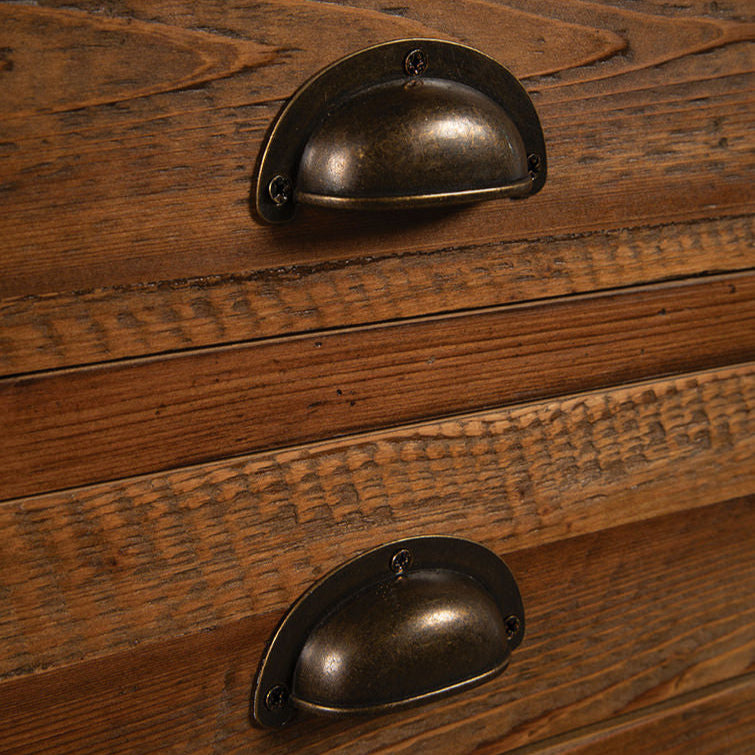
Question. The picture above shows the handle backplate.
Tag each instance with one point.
(410, 123)
(398, 626)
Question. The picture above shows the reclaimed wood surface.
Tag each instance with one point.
(144, 174)
(128, 135)
(50, 331)
(82, 426)
(94, 570)
(616, 621)
(718, 719)
(163, 357)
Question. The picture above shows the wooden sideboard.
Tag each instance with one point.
(201, 415)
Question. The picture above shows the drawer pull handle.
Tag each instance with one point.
(412, 123)
(400, 625)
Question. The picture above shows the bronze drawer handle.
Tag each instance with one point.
(412, 123)
(400, 625)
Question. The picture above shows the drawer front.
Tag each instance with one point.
(202, 415)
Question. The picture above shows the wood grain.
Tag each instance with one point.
(144, 176)
(104, 568)
(617, 621)
(719, 719)
(60, 330)
(82, 426)
(61, 60)
(147, 324)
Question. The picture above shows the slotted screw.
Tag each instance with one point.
(279, 190)
(415, 63)
(513, 624)
(401, 561)
(533, 164)
(276, 698)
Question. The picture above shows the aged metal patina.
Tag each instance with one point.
(412, 123)
(398, 626)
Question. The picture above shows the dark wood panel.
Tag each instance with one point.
(141, 173)
(719, 720)
(617, 621)
(82, 426)
(99, 569)
(58, 330)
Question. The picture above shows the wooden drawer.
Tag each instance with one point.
(202, 415)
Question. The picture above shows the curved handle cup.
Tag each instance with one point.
(412, 123)
(403, 624)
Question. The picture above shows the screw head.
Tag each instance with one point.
(276, 698)
(533, 164)
(401, 561)
(415, 63)
(280, 190)
(513, 624)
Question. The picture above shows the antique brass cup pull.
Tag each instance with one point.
(412, 123)
(400, 625)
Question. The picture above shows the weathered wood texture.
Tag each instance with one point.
(147, 323)
(59, 330)
(99, 569)
(77, 427)
(719, 720)
(126, 158)
(617, 621)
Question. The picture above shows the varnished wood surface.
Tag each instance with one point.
(100, 569)
(83, 426)
(719, 719)
(617, 621)
(141, 172)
